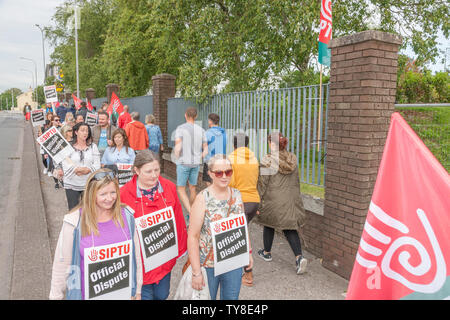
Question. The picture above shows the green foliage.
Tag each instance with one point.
(423, 87)
(306, 78)
(5, 98)
(40, 93)
(432, 125)
(95, 18)
(224, 45)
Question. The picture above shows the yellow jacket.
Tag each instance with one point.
(245, 173)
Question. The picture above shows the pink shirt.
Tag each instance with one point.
(109, 233)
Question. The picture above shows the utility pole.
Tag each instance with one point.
(76, 49)
(43, 51)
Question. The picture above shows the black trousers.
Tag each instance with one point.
(73, 198)
(250, 209)
(291, 236)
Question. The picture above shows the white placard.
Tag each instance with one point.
(50, 94)
(37, 117)
(158, 237)
(91, 118)
(124, 173)
(230, 243)
(55, 144)
(108, 272)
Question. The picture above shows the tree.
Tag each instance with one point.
(95, 16)
(244, 45)
(5, 98)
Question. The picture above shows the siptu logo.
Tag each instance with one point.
(143, 223)
(393, 246)
(217, 227)
(93, 255)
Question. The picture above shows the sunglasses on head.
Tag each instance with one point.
(101, 175)
(219, 174)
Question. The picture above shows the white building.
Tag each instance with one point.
(25, 97)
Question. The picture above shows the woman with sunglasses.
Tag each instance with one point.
(214, 203)
(148, 192)
(84, 160)
(281, 201)
(100, 220)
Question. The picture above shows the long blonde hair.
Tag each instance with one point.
(88, 203)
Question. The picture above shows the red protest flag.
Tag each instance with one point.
(89, 105)
(76, 101)
(404, 252)
(115, 105)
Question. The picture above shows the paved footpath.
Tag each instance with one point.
(272, 280)
(25, 259)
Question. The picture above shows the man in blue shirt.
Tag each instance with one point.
(217, 143)
(102, 133)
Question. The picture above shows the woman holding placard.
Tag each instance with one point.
(160, 223)
(83, 161)
(97, 255)
(219, 208)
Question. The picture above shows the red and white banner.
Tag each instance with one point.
(55, 105)
(325, 22)
(76, 101)
(404, 252)
(115, 105)
(89, 105)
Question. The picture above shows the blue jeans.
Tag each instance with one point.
(230, 284)
(155, 291)
(185, 174)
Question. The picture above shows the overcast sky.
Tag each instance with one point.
(19, 37)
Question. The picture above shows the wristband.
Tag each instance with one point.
(196, 275)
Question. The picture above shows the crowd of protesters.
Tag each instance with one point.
(101, 213)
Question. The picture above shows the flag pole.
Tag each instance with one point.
(320, 109)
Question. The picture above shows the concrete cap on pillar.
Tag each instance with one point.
(365, 36)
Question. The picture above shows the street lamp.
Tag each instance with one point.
(43, 52)
(35, 75)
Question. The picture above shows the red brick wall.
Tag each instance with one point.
(163, 86)
(362, 95)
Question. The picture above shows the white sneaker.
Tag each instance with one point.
(45, 171)
(50, 174)
(301, 265)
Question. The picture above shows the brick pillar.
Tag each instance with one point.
(163, 89)
(68, 96)
(362, 95)
(90, 94)
(110, 88)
